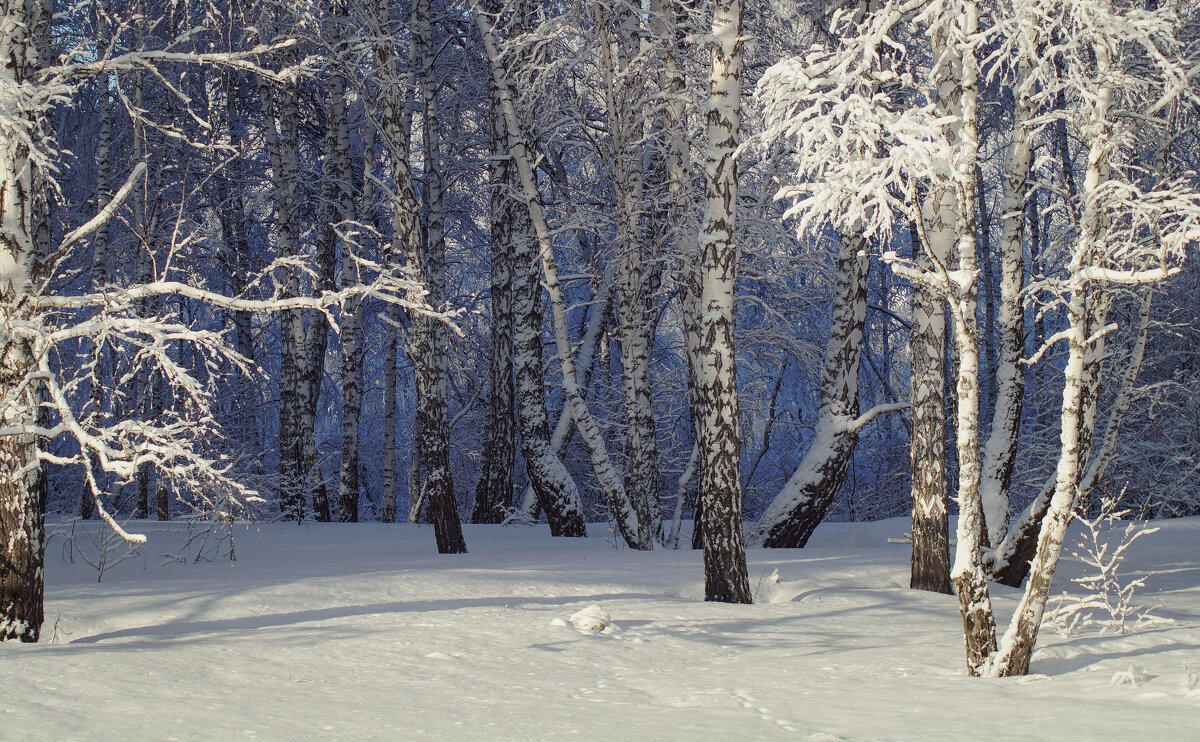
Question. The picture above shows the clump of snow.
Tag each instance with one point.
(1133, 675)
(593, 619)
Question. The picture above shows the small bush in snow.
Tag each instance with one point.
(1107, 599)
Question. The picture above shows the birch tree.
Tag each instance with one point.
(621, 60)
(37, 321)
(514, 227)
(622, 512)
(1131, 230)
(794, 514)
(725, 577)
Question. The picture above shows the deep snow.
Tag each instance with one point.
(363, 632)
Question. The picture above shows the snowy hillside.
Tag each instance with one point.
(363, 632)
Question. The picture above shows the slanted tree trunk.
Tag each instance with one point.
(1000, 451)
(593, 336)
(621, 511)
(804, 501)
(725, 577)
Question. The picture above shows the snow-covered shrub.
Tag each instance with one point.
(1107, 599)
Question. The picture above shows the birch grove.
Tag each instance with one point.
(662, 273)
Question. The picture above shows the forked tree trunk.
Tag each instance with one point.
(593, 336)
(947, 225)
(620, 509)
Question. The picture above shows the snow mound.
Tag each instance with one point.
(592, 619)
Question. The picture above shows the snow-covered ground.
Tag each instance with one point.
(363, 632)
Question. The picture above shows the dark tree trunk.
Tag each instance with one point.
(493, 494)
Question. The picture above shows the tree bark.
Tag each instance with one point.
(804, 501)
(432, 342)
(930, 566)
(281, 135)
(725, 577)
(626, 125)
(22, 507)
(341, 206)
(493, 494)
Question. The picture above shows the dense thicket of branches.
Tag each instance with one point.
(506, 245)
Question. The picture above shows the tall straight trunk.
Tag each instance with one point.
(395, 129)
(802, 504)
(725, 577)
(22, 507)
(930, 564)
(433, 345)
(967, 575)
(232, 215)
(281, 120)
(391, 348)
(494, 491)
(669, 39)
(626, 125)
(390, 380)
(99, 277)
(340, 187)
(987, 331)
(144, 209)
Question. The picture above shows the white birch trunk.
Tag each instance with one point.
(621, 511)
(1085, 307)
(999, 452)
(22, 509)
(626, 126)
(281, 118)
(725, 577)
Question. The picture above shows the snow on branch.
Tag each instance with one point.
(865, 419)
